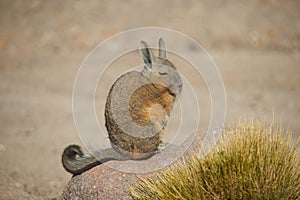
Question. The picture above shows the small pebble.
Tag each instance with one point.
(18, 185)
(2, 147)
(54, 183)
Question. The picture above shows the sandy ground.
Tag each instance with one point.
(256, 46)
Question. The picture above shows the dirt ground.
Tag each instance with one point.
(255, 44)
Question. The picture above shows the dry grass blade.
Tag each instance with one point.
(251, 161)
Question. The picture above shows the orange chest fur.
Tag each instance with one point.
(151, 101)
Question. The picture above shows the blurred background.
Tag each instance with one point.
(255, 44)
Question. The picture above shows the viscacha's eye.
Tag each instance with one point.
(162, 71)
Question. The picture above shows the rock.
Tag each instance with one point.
(113, 180)
(101, 182)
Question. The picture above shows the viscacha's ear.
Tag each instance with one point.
(147, 54)
(162, 49)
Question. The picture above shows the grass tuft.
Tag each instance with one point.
(253, 160)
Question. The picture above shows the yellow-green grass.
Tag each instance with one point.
(251, 161)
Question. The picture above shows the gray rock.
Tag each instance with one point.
(101, 182)
(113, 180)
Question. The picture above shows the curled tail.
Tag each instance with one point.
(77, 162)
